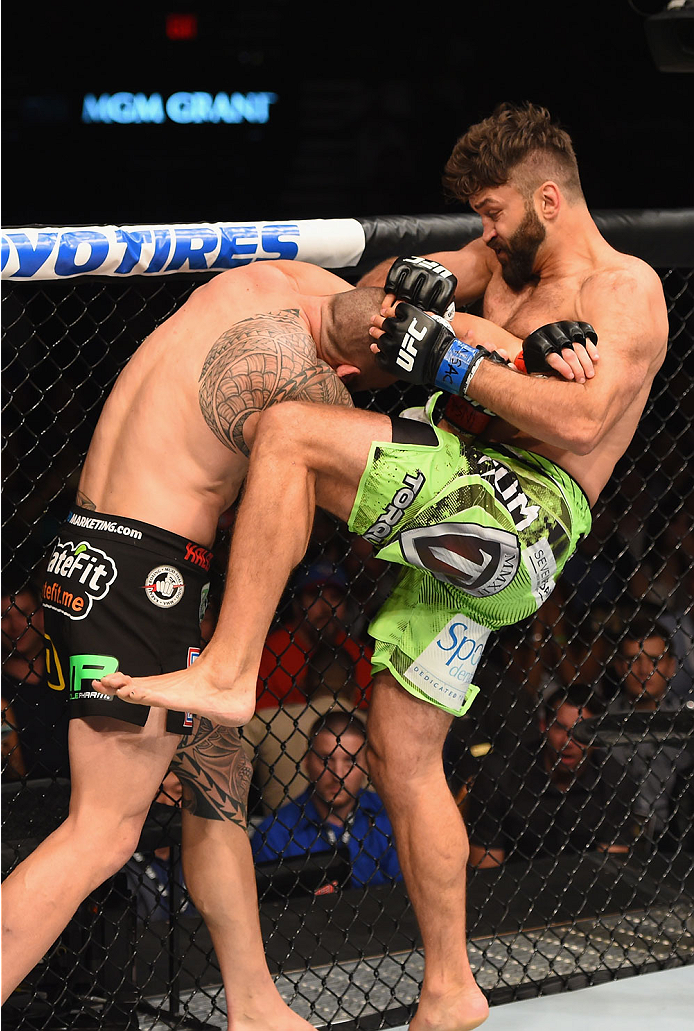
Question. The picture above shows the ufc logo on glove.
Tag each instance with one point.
(408, 348)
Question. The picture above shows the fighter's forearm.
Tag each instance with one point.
(482, 333)
(377, 275)
(555, 411)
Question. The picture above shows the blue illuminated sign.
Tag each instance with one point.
(183, 108)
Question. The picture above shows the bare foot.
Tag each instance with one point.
(455, 1011)
(277, 1017)
(186, 690)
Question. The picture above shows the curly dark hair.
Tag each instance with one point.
(519, 142)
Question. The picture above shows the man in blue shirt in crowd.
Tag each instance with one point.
(336, 811)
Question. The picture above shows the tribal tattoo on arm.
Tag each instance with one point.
(259, 362)
(215, 773)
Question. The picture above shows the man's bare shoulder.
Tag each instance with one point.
(258, 274)
(626, 270)
(298, 276)
(626, 281)
(623, 299)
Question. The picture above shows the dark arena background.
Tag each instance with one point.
(278, 128)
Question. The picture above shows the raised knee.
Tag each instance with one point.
(281, 424)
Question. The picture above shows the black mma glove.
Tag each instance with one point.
(424, 283)
(423, 349)
(552, 339)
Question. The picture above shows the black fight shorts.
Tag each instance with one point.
(121, 595)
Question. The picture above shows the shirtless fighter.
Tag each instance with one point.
(127, 583)
(482, 525)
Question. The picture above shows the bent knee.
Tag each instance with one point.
(282, 424)
(107, 844)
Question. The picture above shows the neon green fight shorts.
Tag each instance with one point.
(483, 533)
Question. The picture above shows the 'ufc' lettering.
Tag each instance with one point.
(408, 349)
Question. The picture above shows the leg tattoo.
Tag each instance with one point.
(215, 773)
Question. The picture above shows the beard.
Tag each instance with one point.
(520, 252)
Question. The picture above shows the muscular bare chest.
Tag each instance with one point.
(536, 305)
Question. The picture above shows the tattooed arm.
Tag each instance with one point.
(257, 363)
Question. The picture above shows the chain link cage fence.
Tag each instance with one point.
(557, 911)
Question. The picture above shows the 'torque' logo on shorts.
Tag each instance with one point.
(395, 510)
(81, 575)
(480, 560)
(164, 586)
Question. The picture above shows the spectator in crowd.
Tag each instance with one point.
(288, 684)
(148, 875)
(320, 615)
(557, 796)
(665, 579)
(36, 701)
(645, 666)
(13, 767)
(371, 580)
(281, 734)
(505, 712)
(336, 810)
(598, 574)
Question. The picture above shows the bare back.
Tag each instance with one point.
(169, 448)
(622, 298)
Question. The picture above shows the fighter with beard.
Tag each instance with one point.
(540, 256)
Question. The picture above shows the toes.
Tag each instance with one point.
(111, 683)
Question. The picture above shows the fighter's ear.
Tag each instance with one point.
(347, 372)
(550, 199)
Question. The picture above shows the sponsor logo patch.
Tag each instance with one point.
(508, 490)
(84, 669)
(400, 502)
(480, 560)
(198, 555)
(105, 525)
(83, 574)
(164, 586)
(55, 677)
(539, 560)
(444, 670)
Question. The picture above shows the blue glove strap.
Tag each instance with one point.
(454, 367)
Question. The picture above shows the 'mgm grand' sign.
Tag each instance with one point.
(183, 108)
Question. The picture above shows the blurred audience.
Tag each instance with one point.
(315, 642)
(34, 698)
(149, 875)
(664, 581)
(645, 667)
(13, 766)
(551, 796)
(337, 810)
